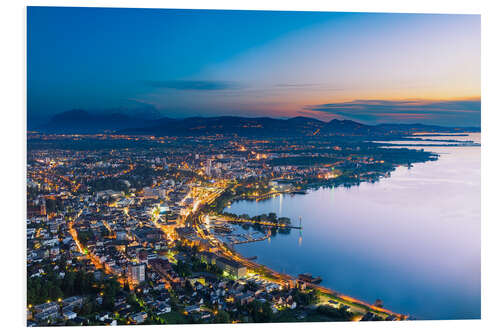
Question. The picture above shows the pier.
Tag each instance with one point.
(265, 223)
(252, 240)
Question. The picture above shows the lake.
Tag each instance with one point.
(412, 240)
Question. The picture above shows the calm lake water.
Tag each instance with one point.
(412, 240)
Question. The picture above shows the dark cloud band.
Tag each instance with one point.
(193, 85)
(402, 110)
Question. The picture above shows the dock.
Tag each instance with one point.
(252, 240)
(265, 223)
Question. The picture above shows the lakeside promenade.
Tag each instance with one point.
(283, 279)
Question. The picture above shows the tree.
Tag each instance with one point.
(108, 302)
(336, 314)
(222, 317)
(272, 217)
(56, 293)
(304, 298)
(259, 312)
(87, 309)
(284, 220)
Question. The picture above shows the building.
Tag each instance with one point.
(231, 267)
(68, 315)
(136, 273)
(163, 308)
(72, 302)
(207, 257)
(208, 168)
(121, 235)
(245, 298)
(193, 308)
(46, 315)
(162, 266)
(37, 208)
(281, 185)
(47, 307)
(139, 317)
(154, 192)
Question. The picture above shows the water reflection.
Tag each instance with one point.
(412, 240)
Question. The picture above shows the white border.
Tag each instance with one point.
(13, 104)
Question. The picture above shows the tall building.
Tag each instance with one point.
(43, 207)
(208, 167)
(136, 273)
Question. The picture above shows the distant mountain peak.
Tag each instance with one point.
(305, 119)
(84, 122)
(71, 114)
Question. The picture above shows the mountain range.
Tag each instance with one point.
(84, 122)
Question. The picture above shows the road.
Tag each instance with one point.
(196, 218)
(94, 259)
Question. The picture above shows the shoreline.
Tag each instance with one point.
(287, 279)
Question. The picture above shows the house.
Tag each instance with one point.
(139, 317)
(205, 315)
(163, 308)
(246, 298)
(160, 286)
(68, 315)
(110, 322)
(271, 287)
(102, 316)
(80, 321)
(193, 308)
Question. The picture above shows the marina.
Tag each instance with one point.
(391, 261)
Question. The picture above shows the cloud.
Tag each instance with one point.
(194, 85)
(296, 85)
(465, 112)
(315, 86)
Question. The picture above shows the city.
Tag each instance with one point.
(139, 236)
(189, 166)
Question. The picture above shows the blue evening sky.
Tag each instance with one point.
(179, 63)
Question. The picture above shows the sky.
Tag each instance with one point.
(368, 67)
